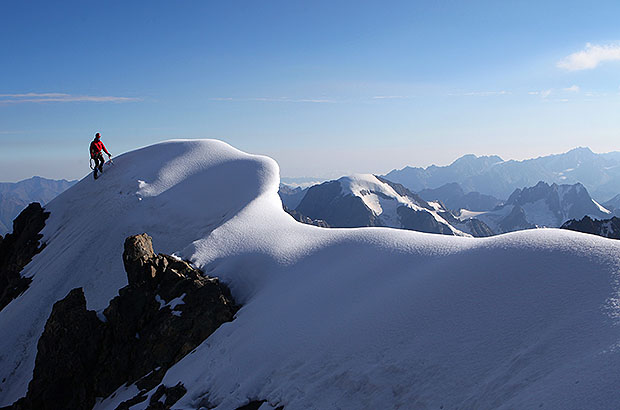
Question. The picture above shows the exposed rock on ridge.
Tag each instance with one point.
(608, 228)
(17, 250)
(167, 309)
(299, 217)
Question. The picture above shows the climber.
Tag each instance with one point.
(96, 146)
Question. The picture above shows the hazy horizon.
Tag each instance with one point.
(325, 88)
(327, 174)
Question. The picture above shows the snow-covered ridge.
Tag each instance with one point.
(333, 318)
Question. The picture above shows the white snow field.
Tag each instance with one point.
(365, 318)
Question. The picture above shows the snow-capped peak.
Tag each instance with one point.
(372, 191)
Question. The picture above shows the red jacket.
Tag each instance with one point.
(96, 147)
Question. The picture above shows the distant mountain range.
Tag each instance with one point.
(491, 175)
(15, 196)
(455, 198)
(368, 200)
(542, 205)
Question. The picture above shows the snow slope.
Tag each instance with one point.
(334, 318)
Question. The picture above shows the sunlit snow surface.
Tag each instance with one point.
(334, 318)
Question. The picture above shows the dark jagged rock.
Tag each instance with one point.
(299, 217)
(164, 397)
(66, 357)
(17, 250)
(608, 228)
(255, 405)
(167, 309)
(128, 404)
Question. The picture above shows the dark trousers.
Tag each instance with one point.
(99, 161)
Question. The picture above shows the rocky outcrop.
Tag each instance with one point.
(167, 309)
(162, 399)
(17, 250)
(608, 228)
(299, 217)
(256, 404)
(67, 356)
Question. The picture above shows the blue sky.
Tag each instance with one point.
(324, 87)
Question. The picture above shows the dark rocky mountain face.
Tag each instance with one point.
(478, 228)
(17, 250)
(15, 196)
(600, 173)
(473, 226)
(608, 228)
(326, 202)
(515, 221)
(421, 221)
(167, 309)
(454, 198)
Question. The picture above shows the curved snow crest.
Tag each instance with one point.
(177, 191)
(259, 174)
